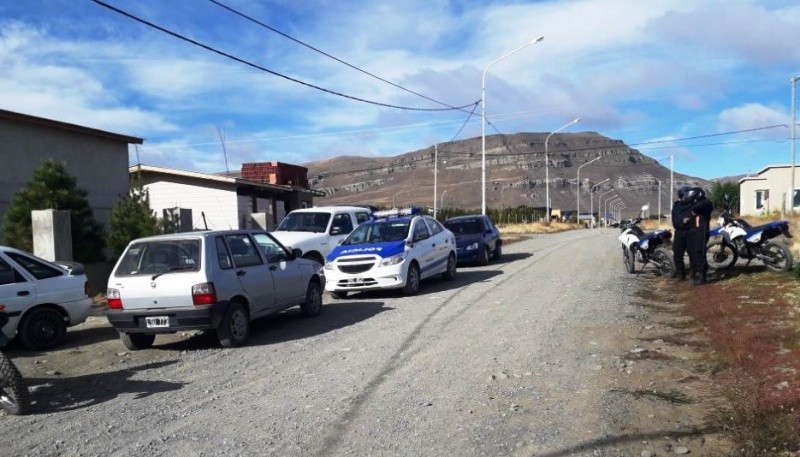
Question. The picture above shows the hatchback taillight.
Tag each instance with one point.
(113, 298)
(204, 294)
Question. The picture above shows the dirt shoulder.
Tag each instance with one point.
(726, 355)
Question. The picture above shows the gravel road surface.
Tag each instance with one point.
(520, 357)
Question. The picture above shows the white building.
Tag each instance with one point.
(197, 201)
(768, 191)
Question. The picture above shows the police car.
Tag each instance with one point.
(396, 250)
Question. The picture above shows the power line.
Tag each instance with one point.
(287, 36)
(267, 70)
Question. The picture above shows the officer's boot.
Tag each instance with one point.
(698, 277)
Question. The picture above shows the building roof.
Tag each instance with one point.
(223, 179)
(764, 170)
(19, 117)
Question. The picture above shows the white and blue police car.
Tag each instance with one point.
(395, 250)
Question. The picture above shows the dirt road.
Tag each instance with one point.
(532, 355)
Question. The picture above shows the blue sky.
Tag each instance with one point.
(639, 71)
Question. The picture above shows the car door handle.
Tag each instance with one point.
(273, 267)
(241, 273)
(23, 293)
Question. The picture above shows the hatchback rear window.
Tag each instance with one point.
(162, 256)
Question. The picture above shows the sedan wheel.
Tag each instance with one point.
(42, 328)
(313, 304)
(483, 259)
(235, 327)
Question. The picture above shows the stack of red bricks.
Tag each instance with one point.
(275, 173)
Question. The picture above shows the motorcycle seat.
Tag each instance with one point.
(774, 225)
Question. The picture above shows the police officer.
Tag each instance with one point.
(681, 221)
(697, 238)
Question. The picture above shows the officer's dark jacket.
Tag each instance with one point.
(681, 211)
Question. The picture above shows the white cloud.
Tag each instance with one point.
(754, 115)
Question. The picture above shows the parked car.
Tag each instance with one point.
(316, 231)
(477, 238)
(214, 280)
(42, 298)
(395, 251)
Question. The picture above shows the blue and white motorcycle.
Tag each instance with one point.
(646, 247)
(734, 239)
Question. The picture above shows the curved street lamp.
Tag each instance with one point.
(600, 207)
(483, 118)
(578, 190)
(591, 199)
(612, 201)
(547, 165)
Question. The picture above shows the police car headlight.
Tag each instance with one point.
(328, 266)
(393, 260)
(472, 246)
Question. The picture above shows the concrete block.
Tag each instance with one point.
(52, 234)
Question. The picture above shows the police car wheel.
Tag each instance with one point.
(450, 273)
(412, 280)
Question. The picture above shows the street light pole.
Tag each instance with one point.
(794, 137)
(483, 119)
(610, 200)
(659, 201)
(435, 175)
(599, 197)
(547, 165)
(578, 191)
(671, 181)
(591, 200)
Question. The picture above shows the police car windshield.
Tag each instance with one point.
(464, 226)
(304, 222)
(379, 232)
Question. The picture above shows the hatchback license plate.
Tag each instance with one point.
(156, 321)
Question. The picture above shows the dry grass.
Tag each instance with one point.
(536, 228)
(754, 359)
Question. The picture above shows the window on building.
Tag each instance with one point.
(761, 198)
(796, 199)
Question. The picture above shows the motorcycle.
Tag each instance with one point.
(735, 239)
(13, 392)
(646, 247)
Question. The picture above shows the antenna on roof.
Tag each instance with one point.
(221, 134)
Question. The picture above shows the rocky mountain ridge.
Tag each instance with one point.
(515, 174)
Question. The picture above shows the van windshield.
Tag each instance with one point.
(304, 222)
(159, 257)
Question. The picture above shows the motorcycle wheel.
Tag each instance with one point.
(780, 258)
(663, 259)
(630, 260)
(13, 393)
(721, 255)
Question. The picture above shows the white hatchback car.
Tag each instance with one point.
(42, 298)
(214, 280)
(395, 251)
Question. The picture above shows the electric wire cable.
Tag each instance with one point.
(354, 67)
(272, 72)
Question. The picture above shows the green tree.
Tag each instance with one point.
(718, 192)
(131, 218)
(51, 187)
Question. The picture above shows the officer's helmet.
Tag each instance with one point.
(692, 193)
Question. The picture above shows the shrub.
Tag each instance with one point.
(51, 187)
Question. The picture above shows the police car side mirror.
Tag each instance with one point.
(296, 253)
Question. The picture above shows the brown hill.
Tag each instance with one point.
(515, 174)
